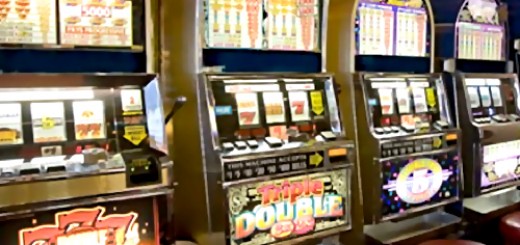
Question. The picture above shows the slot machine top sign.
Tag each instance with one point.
(479, 33)
(392, 27)
(287, 24)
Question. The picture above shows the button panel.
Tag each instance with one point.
(405, 147)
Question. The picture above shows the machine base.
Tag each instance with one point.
(413, 230)
(492, 205)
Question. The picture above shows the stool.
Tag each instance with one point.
(451, 242)
(510, 228)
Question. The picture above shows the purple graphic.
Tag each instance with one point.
(420, 184)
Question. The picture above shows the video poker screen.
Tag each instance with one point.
(412, 183)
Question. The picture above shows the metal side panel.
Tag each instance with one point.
(64, 189)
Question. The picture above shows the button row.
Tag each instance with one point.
(272, 142)
(411, 146)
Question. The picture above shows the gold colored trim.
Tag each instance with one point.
(63, 189)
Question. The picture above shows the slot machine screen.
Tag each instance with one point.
(479, 33)
(486, 96)
(409, 184)
(386, 27)
(411, 103)
(257, 108)
(500, 164)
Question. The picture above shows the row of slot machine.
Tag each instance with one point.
(283, 154)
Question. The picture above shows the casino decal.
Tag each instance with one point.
(273, 211)
(419, 181)
(84, 226)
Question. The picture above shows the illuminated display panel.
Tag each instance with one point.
(407, 103)
(106, 23)
(234, 23)
(392, 28)
(293, 24)
(500, 164)
(255, 108)
(479, 33)
(412, 183)
(28, 22)
(39, 123)
(488, 97)
(241, 24)
(264, 215)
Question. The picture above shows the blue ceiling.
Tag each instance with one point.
(514, 18)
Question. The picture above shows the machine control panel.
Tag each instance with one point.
(401, 106)
(424, 144)
(313, 159)
(491, 100)
(261, 114)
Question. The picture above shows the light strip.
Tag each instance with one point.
(388, 85)
(40, 94)
(387, 79)
(419, 84)
(250, 81)
(475, 82)
(493, 82)
(43, 160)
(292, 80)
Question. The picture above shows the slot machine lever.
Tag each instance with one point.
(178, 104)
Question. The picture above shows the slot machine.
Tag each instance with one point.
(484, 93)
(81, 154)
(409, 144)
(82, 142)
(263, 151)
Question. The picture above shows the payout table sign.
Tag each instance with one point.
(272, 211)
(96, 23)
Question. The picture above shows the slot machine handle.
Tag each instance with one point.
(178, 104)
(337, 87)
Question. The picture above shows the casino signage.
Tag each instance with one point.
(419, 180)
(271, 211)
(129, 222)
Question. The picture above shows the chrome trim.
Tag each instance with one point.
(499, 187)
(435, 152)
(207, 78)
(301, 149)
(324, 27)
(419, 209)
(30, 211)
(72, 188)
(414, 136)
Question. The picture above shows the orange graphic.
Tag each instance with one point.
(253, 10)
(306, 12)
(299, 107)
(247, 117)
(22, 8)
(4, 9)
(81, 225)
(388, 17)
(421, 20)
